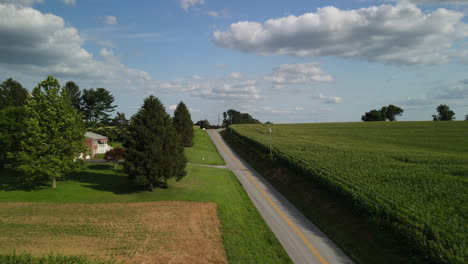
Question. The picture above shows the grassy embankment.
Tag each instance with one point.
(246, 237)
(407, 177)
(203, 150)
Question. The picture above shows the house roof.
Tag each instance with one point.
(94, 135)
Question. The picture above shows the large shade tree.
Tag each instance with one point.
(96, 106)
(390, 112)
(444, 113)
(12, 94)
(53, 134)
(235, 117)
(373, 115)
(183, 124)
(154, 150)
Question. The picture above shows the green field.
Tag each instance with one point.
(246, 237)
(203, 150)
(409, 176)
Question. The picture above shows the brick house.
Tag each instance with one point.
(96, 144)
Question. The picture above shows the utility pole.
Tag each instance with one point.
(218, 119)
(269, 133)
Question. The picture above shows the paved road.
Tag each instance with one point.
(301, 239)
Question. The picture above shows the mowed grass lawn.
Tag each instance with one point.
(203, 150)
(245, 235)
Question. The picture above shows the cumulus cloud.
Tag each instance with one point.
(287, 75)
(37, 44)
(186, 4)
(69, 2)
(329, 99)
(450, 93)
(223, 89)
(110, 20)
(401, 35)
(22, 2)
(234, 75)
(212, 13)
(269, 109)
(435, 2)
(457, 91)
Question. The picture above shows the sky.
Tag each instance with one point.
(296, 61)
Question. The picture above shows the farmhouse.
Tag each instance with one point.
(96, 144)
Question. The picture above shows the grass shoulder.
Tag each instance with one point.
(203, 150)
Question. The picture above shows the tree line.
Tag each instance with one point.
(43, 132)
(391, 112)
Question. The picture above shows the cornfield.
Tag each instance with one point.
(410, 177)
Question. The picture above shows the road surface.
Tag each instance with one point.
(301, 239)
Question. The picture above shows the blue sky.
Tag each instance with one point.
(283, 61)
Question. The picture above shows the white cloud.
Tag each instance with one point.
(457, 91)
(224, 13)
(212, 13)
(110, 20)
(105, 43)
(69, 2)
(329, 99)
(172, 107)
(37, 44)
(186, 4)
(287, 75)
(269, 109)
(400, 35)
(234, 75)
(435, 2)
(223, 89)
(22, 2)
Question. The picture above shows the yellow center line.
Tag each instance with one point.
(270, 201)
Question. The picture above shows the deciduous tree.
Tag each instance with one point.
(12, 94)
(445, 114)
(373, 115)
(52, 135)
(183, 124)
(154, 150)
(236, 117)
(96, 106)
(390, 112)
(115, 155)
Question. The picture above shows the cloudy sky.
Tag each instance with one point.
(283, 61)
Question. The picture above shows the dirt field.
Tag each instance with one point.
(150, 232)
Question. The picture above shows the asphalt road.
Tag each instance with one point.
(301, 239)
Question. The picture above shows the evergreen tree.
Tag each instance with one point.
(74, 93)
(53, 134)
(154, 151)
(12, 94)
(11, 120)
(96, 104)
(183, 124)
(121, 126)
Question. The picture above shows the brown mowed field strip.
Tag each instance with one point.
(147, 232)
